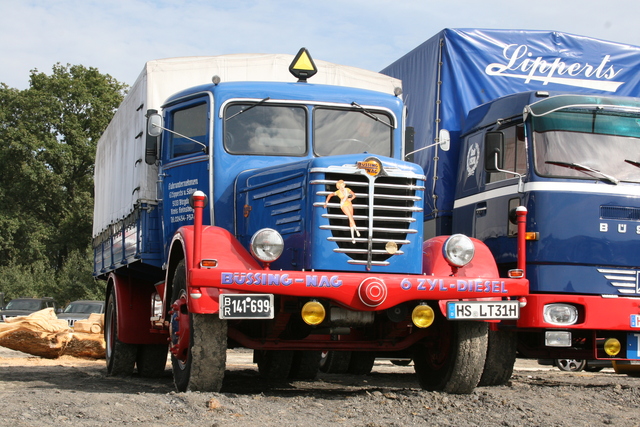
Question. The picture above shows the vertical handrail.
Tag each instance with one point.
(198, 199)
(521, 216)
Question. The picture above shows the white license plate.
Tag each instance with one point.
(246, 306)
(470, 310)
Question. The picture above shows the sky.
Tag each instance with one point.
(118, 36)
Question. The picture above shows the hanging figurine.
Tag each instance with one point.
(346, 196)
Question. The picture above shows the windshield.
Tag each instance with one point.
(83, 308)
(23, 305)
(588, 144)
(254, 128)
(340, 131)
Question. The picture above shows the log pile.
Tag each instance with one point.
(43, 334)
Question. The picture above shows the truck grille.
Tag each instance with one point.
(383, 212)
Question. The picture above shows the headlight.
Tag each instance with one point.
(267, 245)
(459, 250)
(560, 314)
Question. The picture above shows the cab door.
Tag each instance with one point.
(186, 151)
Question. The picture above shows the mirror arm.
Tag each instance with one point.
(204, 147)
(519, 175)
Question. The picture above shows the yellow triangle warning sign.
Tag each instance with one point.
(303, 66)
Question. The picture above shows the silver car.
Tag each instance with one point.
(80, 310)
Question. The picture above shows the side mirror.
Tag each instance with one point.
(154, 130)
(493, 151)
(444, 139)
(409, 142)
(154, 123)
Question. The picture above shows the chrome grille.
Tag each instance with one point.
(383, 212)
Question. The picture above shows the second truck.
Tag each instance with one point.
(549, 121)
(239, 205)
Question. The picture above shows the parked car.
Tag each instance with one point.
(577, 365)
(26, 306)
(80, 310)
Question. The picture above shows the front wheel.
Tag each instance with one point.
(454, 361)
(198, 342)
(121, 357)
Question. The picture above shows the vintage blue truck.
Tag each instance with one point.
(263, 201)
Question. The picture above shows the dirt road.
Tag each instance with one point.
(77, 392)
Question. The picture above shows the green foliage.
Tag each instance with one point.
(48, 137)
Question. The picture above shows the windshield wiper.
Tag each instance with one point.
(631, 162)
(244, 110)
(583, 168)
(370, 114)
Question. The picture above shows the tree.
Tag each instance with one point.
(48, 137)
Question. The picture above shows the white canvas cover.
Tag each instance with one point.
(123, 179)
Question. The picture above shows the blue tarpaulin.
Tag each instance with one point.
(478, 66)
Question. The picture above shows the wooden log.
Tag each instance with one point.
(43, 334)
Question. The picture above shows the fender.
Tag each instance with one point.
(133, 304)
(216, 244)
(433, 261)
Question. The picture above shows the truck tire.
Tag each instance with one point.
(361, 362)
(335, 362)
(305, 365)
(152, 360)
(453, 362)
(501, 356)
(121, 357)
(274, 365)
(198, 342)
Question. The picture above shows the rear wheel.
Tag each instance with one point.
(501, 356)
(121, 357)
(335, 362)
(274, 364)
(198, 342)
(305, 365)
(151, 360)
(361, 362)
(453, 362)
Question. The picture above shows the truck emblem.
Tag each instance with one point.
(372, 166)
(472, 158)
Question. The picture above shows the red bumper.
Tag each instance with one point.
(357, 291)
(594, 312)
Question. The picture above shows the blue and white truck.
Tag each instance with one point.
(549, 121)
(237, 204)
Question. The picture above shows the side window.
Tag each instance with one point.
(515, 158)
(190, 122)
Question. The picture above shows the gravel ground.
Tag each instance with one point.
(77, 392)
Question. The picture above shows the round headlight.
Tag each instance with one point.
(560, 314)
(459, 250)
(267, 245)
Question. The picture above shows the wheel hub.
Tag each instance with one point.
(179, 329)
